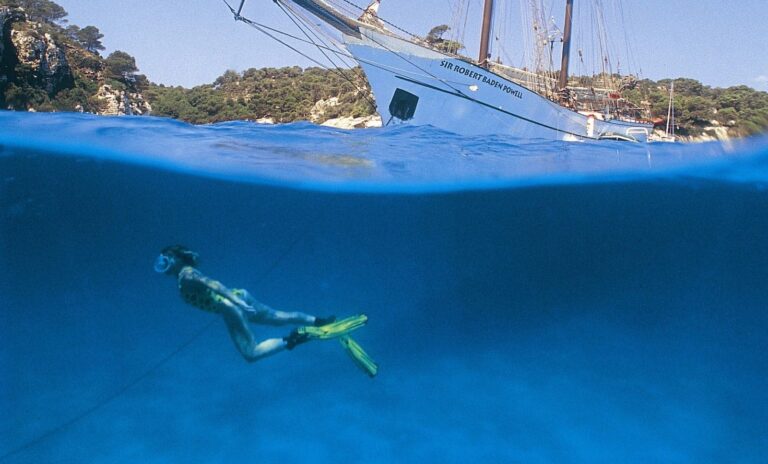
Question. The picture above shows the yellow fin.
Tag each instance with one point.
(359, 356)
(335, 329)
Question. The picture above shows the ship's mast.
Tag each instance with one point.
(671, 111)
(485, 37)
(240, 8)
(563, 82)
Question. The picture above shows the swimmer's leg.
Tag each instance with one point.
(243, 337)
(263, 314)
(266, 315)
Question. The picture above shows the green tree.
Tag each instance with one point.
(229, 77)
(71, 31)
(449, 46)
(39, 10)
(140, 82)
(435, 38)
(120, 65)
(90, 38)
(435, 34)
(690, 87)
(22, 96)
(726, 115)
(694, 110)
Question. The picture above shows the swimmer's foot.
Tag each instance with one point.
(295, 338)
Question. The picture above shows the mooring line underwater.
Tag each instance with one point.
(157, 365)
(82, 415)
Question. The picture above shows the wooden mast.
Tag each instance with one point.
(563, 82)
(485, 37)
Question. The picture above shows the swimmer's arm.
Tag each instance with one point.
(220, 289)
(260, 313)
(252, 309)
(246, 296)
(255, 310)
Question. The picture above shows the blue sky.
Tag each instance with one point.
(191, 42)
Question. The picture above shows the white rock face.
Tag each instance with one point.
(710, 134)
(110, 100)
(317, 113)
(713, 133)
(265, 121)
(44, 57)
(119, 102)
(347, 122)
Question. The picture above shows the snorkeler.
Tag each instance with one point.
(238, 307)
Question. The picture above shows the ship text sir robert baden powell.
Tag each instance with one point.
(465, 71)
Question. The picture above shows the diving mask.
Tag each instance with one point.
(164, 263)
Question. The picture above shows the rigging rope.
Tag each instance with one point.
(338, 49)
(158, 364)
(335, 69)
(416, 66)
(464, 26)
(382, 20)
(263, 29)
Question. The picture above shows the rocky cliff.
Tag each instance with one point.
(35, 52)
(121, 102)
(43, 69)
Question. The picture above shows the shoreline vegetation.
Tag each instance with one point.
(48, 65)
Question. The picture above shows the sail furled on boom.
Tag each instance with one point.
(371, 15)
(323, 11)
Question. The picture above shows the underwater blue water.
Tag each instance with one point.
(529, 302)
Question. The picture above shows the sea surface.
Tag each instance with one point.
(528, 301)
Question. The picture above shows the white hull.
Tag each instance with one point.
(463, 98)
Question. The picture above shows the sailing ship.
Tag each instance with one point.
(413, 81)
